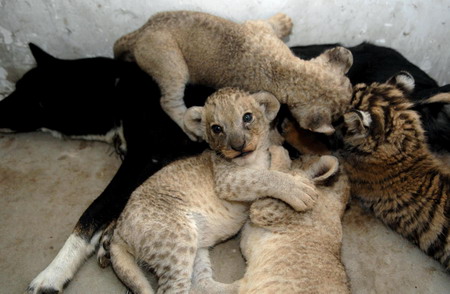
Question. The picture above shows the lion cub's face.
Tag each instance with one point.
(235, 123)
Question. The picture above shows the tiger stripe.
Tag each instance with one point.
(392, 171)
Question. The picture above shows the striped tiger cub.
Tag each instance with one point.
(391, 168)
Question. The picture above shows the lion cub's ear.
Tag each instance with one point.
(323, 169)
(339, 58)
(269, 102)
(193, 121)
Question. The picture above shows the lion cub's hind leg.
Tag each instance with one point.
(128, 270)
(158, 54)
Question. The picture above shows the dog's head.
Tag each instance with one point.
(72, 97)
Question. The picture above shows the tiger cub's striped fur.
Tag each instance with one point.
(391, 168)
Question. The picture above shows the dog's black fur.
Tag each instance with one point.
(91, 97)
(95, 95)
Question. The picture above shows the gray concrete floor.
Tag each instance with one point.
(46, 183)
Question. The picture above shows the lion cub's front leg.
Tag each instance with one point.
(246, 184)
(279, 158)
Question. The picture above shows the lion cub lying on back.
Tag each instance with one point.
(199, 201)
(290, 252)
(178, 47)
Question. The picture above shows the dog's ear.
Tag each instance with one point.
(193, 121)
(40, 55)
(269, 102)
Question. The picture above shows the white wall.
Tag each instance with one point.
(419, 29)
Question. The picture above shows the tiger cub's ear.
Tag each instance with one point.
(357, 123)
(403, 81)
(353, 121)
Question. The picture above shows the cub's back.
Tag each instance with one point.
(214, 47)
(185, 178)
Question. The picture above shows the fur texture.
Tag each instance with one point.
(183, 46)
(391, 168)
(435, 117)
(46, 100)
(199, 201)
(89, 98)
(374, 63)
(291, 252)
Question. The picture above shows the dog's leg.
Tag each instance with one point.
(158, 54)
(82, 242)
(64, 266)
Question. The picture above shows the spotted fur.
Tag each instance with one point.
(290, 252)
(194, 203)
(177, 47)
(391, 168)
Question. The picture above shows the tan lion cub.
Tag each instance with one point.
(199, 201)
(289, 252)
(178, 47)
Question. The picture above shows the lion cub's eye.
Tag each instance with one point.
(247, 117)
(216, 129)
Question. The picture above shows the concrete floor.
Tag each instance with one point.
(46, 183)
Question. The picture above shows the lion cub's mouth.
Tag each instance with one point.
(244, 154)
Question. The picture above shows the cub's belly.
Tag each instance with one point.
(218, 223)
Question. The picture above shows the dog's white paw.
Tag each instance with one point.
(47, 283)
(61, 270)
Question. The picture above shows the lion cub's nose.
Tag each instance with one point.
(237, 145)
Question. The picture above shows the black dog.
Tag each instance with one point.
(102, 99)
(106, 99)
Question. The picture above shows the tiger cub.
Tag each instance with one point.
(391, 169)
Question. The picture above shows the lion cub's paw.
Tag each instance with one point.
(279, 158)
(282, 24)
(305, 194)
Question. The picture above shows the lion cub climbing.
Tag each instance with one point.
(178, 47)
(199, 201)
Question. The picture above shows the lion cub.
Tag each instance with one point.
(178, 47)
(196, 202)
(291, 252)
